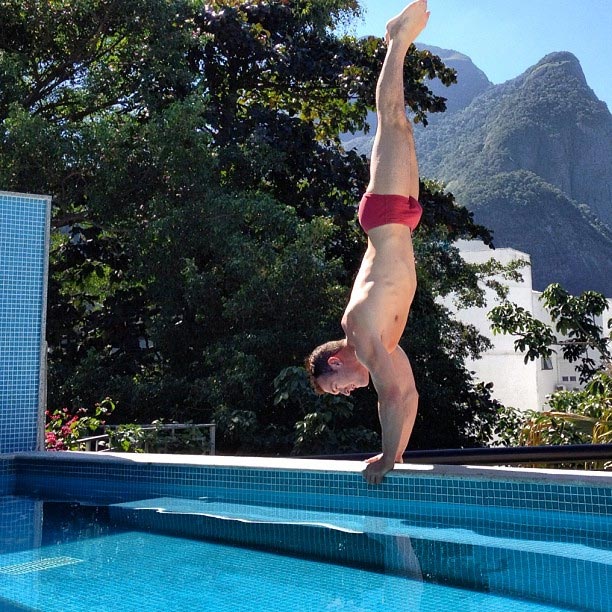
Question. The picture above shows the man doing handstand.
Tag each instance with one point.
(376, 315)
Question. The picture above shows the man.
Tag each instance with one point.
(376, 315)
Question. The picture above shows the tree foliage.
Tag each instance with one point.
(572, 417)
(574, 318)
(204, 234)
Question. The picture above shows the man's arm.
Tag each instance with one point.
(397, 406)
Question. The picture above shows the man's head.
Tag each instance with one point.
(334, 368)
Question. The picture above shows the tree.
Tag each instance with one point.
(574, 317)
(572, 417)
(204, 214)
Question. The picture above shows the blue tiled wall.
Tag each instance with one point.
(529, 536)
(22, 518)
(110, 478)
(7, 476)
(24, 235)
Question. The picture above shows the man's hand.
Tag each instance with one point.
(376, 469)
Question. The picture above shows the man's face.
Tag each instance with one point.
(344, 378)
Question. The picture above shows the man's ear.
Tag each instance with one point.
(334, 361)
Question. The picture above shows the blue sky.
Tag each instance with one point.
(504, 38)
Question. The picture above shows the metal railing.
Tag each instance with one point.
(102, 442)
(95, 444)
(573, 453)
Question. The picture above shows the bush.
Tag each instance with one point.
(575, 417)
(158, 438)
(64, 428)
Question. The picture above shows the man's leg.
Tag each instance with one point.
(393, 165)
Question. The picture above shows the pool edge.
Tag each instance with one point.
(538, 475)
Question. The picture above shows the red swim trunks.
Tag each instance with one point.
(376, 210)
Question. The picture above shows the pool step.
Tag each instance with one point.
(453, 554)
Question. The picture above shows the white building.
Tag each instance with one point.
(522, 385)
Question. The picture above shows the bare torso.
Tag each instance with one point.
(373, 322)
(383, 290)
(377, 312)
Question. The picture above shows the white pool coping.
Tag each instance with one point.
(541, 476)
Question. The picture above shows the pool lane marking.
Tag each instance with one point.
(19, 569)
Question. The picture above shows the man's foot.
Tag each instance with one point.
(406, 26)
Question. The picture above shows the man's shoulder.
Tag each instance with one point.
(369, 348)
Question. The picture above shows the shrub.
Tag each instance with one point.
(64, 428)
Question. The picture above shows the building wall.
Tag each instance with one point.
(523, 386)
(550, 380)
(563, 375)
(24, 245)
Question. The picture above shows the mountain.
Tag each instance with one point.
(532, 159)
(471, 81)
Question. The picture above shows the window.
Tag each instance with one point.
(547, 363)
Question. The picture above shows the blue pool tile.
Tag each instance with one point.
(24, 235)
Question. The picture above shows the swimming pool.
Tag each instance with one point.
(176, 533)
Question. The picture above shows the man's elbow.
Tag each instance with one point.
(393, 397)
(410, 399)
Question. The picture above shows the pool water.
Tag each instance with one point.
(158, 555)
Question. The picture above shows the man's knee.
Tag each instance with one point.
(394, 114)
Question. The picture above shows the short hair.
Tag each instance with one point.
(316, 363)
